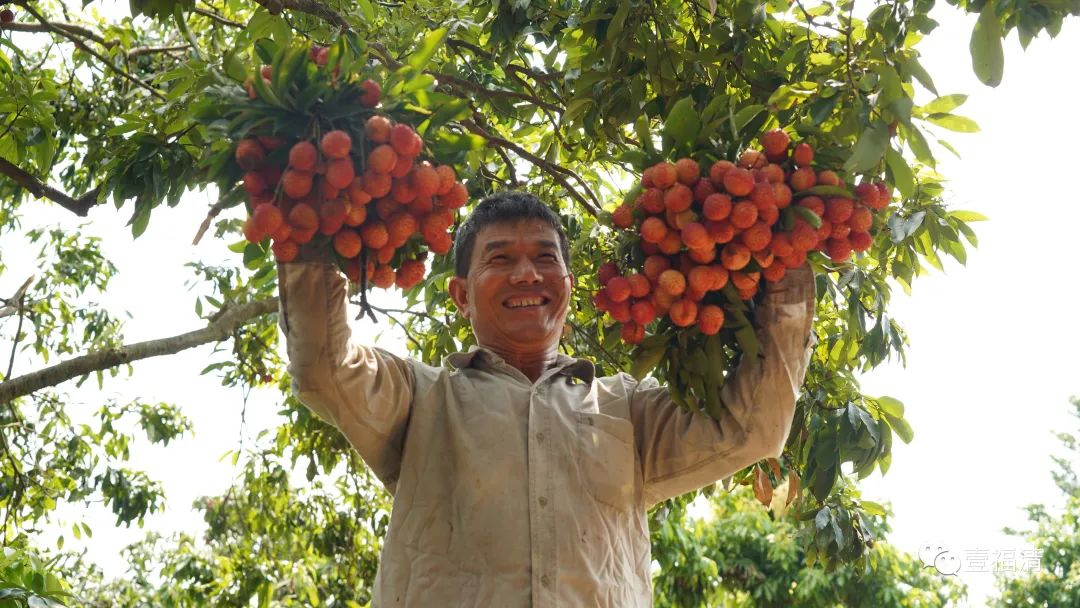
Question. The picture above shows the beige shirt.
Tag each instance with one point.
(513, 493)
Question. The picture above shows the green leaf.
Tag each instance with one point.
(637, 159)
(826, 190)
(178, 15)
(952, 122)
(968, 233)
(891, 406)
(743, 117)
(644, 360)
(919, 147)
(869, 149)
(418, 82)
(783, 98)
(822, 518)
(141, 219)
(285, 71)
(987, 55)
(367, 10)
(807, 215)
(824, 482)
(264, 91)
(266, 593)
(872, 508)
(967, 216)
(644, 133)
(748, 341)
(948, 146)
(902, 428)
(682, 124)
(821, 109)
(452, 110)
(233, 65)
(265, 49)
(919, 72)
(427, 48)
(125, 127)
(946, 103)
(577, 107)
(902, 177)
(252, 254)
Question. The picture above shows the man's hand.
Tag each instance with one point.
(310, 252)
(797, 285)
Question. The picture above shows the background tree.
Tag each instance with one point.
(561, 99)
(1055, 538)
(742, 555)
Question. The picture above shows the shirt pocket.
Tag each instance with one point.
(606, 458)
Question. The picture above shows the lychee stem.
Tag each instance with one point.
(364, 306)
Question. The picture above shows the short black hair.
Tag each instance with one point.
(507, 207)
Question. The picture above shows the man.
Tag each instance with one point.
(518, 477)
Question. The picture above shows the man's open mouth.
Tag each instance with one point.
(525, 302)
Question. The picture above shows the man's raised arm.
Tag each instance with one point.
(363, 391)
(682, 451)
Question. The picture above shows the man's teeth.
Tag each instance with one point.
(525, 302)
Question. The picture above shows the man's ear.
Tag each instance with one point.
(459, 293)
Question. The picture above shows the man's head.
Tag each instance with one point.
(504, 208)
(511, 261)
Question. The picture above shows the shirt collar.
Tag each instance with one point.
(477, 356)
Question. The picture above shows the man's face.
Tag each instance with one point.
(518, 288)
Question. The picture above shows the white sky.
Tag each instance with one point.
(993, 359)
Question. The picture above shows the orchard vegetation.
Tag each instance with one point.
(270, 106)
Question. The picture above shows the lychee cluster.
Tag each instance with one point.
(370, 90)
(700, 228)
(379, 206)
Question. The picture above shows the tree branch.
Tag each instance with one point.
(79, 206)
(481, 90)
(15, 340)
(459, 84)
(17, 302)
(78, 42)
(217, 330)
(216, 17)
(560, 173)
(148, 50)
(274, 7)
(53, 27)
(510, 67)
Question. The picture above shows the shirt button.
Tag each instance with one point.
(540, 437)
(545, 580)
(543, 501)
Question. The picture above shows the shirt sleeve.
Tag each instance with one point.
(681, 450)
(364, 391)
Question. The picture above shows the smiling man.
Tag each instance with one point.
(519, 477)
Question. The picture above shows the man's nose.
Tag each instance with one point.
(525, 272)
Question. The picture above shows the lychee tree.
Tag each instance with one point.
(573, 101)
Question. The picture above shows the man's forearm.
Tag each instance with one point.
(363, 391)
(761, 395)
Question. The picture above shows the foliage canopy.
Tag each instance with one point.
(567, 99)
